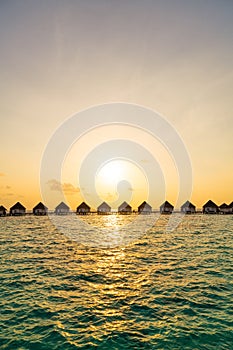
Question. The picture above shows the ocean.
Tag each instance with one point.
(161, 290)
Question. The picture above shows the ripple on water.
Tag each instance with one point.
(163, 291)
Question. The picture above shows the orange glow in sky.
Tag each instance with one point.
(59, 59)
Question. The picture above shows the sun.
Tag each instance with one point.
(120, 179)
(113, 171)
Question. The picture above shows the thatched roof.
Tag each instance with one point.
(166, 204)
(144, 206)
(210, 204)
(223, 206)
(41, 206)
(104, 206)
(83, 205)
(62, 205)
(124, 207)
(188, 204)
(18, 205)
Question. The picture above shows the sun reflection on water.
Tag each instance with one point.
(158, 289)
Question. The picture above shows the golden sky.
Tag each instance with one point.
(61, 57)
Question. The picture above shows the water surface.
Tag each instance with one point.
(161, 291)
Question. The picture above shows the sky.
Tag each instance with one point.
(59, 58)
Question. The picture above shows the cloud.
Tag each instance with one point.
(70, 189)
(2, 174)
(66, 188)
(8, 194)
(54, 185)
(5, 190)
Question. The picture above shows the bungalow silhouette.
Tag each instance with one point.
(62, 209)
(188, 208)
(17, 209)
(210, 208)
(166, 208)
(144, 208)
(104, 208)
(124, 208)
(40, 209)
(83, 209)
(224, 209)
(231, 207)
(2, 211)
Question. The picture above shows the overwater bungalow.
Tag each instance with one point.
(2, 211)
(124, 208)
(62, 209)
(231, 207)
(224, 209)
(17, 209)
(40, 209)
(166, 208)
(144, 208)
(188, 208)
(103, 208)
(210, 208)
(83, 209)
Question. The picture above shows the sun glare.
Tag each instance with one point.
(113, 171)
(120, 179)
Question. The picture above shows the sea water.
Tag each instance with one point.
(161, 290)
